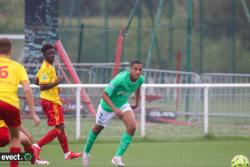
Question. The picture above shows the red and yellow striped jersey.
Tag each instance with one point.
(11, 74)
(46, 75)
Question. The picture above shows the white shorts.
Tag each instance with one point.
(103, 118)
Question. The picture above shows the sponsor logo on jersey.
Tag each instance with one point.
(123, 93)
(44, 76)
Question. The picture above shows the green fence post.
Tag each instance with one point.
(170, 34)
(243, 3)
(138, 55)
(201, 34)
(152, 42)
(189, 45)
(106, 36)
(189, 33)
(80, 43)
(233, 32)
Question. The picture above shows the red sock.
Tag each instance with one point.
(14, 150)
(63, 142)
(48, 137)
(29, 149)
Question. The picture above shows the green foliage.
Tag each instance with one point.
(11, 16)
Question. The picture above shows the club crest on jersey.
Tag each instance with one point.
(44, 76)
(111, 86)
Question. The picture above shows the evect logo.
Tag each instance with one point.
(15, 157)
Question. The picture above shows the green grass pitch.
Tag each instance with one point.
(184, 153)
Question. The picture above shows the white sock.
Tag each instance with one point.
(36, 145)
(66, 154)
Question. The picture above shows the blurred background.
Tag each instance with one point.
(209, 35)
(178, 41)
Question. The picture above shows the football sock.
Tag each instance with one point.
(14, 150)
(66, 155)
(48, 137)
(90, 141)
(124, 143)
(63, 142)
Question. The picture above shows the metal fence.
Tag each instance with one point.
(157, 116)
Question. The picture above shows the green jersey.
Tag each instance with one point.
(120, 89)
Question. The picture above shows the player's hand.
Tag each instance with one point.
(118, 113)
(59, 90)
(59, 79)
(36, 120)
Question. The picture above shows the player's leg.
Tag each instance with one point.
(62, 138)
(49, 137)
(11, 117)
(58, 121)
(14, 143)
(48, 109)
(130, 123)
(127, 137)
(103, 118)
(93, 133)
(27, 145)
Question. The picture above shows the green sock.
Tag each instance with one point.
(124, 143)
(90, 141)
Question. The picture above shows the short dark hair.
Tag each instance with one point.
(46, 47)
(135, 62)
(5, 46)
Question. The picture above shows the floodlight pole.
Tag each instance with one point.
(136, 5)
(153, 36)
(189, 34)
(139, 17)
(170, 34)
(106, 25)
(243, 3)
(201, 34)
(233, 32)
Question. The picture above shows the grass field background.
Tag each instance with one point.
(181, 153)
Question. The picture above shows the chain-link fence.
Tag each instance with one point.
(211, 35)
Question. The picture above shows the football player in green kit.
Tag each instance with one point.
(114, 102)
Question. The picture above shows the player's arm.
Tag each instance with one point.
(107, 93)
(37, 81)
(137, 98)
(30, 101)
(44, 86)
(106, 98)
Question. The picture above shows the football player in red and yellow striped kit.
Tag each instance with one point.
(50, 100)
(26, 140)
(11, 75)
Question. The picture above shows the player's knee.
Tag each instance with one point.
(60, 128)
(97, 129)
(59, 131)
(131, 129)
